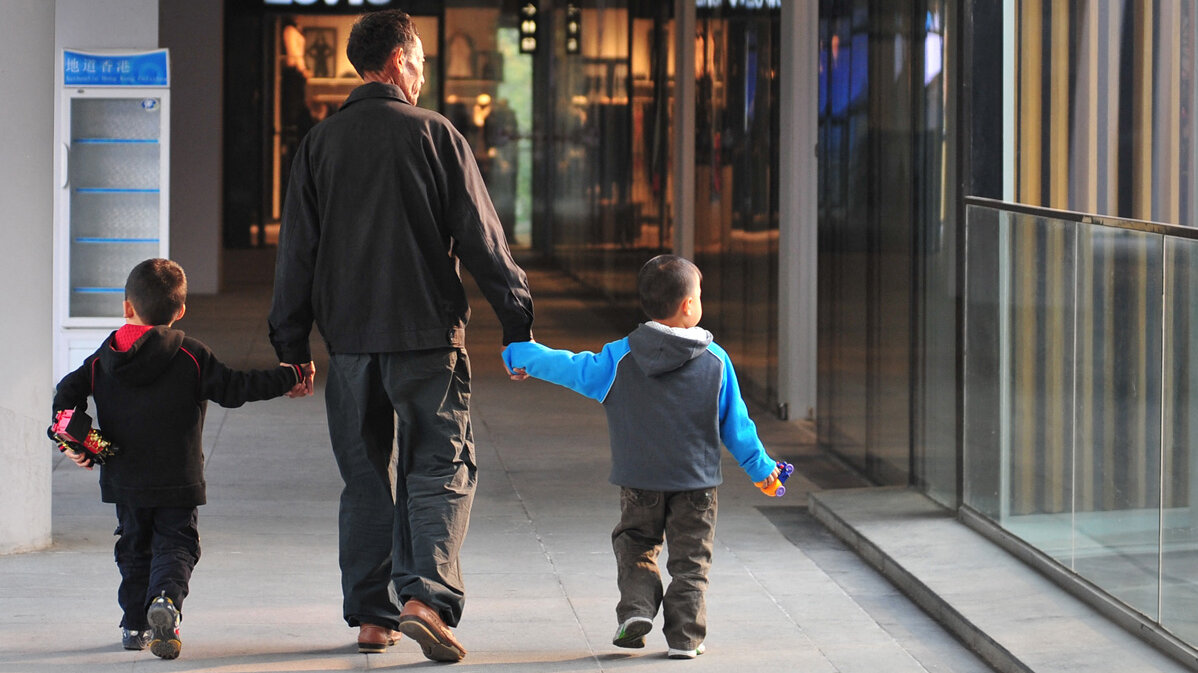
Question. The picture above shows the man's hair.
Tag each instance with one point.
(375, 36)
(157, 288)
(663, 282)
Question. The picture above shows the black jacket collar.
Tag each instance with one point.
(375, 90)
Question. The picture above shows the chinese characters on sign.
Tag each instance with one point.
(116, 69)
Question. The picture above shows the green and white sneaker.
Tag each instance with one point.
(687, 654)
(164, 624)
(632, 632)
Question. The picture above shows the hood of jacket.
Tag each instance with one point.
(658, 348)
(146, 359)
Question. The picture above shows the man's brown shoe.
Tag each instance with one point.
(422, 624)
(373, 639)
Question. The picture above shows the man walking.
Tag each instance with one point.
(384, 200)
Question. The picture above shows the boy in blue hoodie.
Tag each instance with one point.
(671, 399)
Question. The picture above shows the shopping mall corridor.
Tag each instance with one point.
(785, 594)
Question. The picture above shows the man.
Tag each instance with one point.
(385, 199)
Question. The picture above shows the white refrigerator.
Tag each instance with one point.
(112, 192)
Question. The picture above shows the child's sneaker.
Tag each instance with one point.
(164, 620)
(135, 640)
(687, 654)
(632, 632)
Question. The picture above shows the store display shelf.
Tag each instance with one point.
(98, 239)
(116, 141)
(115, 190)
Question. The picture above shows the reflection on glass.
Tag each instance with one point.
(488, 97)
(1179, 538)
(875, 123)
(985, 413)
(1040, 339)
(736, 188)
(1104, 124)
(1069, 348)
(1117, 508)
(613, 125)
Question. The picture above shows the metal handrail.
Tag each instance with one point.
(1148, 226)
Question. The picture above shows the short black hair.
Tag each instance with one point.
(157, 288)
(663, 282)
(376, 35)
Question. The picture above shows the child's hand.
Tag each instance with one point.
(78, 458)
(774, 484)
(306, 384)
(773, 475)
(517, 374)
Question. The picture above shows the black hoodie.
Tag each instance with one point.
(150, 402)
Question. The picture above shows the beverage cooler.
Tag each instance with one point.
(111, 207)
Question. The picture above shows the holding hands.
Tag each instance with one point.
(307, 383)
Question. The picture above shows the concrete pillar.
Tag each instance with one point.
(32, 34)
(799, 222)
(194, 32)
(26, 190)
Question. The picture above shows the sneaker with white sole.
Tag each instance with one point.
(135, 639)
(164, 624)
(632, 632)
(687, 654)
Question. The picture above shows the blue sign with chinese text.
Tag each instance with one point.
(142, 68)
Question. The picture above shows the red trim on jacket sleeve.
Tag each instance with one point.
(199, 373)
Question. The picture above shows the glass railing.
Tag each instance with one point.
(1081, 350)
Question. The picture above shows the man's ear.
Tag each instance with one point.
(128, 309)
(179, 315)
(396, 60)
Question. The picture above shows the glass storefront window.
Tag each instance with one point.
(488, 97)
(737, 58)
(612, 140)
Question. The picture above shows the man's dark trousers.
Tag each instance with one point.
(403, 513)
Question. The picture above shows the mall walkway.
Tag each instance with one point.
(786, 595)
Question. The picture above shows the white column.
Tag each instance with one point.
(26, 190)
(798, 216)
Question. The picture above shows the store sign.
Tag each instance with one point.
(739, 4)
(573, 29)
(528, 28)
(146, 68)
(326, 3)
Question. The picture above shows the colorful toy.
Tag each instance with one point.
(775, 489)
(72, 429)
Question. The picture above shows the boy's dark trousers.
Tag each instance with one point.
(686, 521)
(157, 549)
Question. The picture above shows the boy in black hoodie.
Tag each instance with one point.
(151, 384)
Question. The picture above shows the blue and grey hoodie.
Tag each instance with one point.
(671, 399)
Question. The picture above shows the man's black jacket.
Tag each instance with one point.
(150, 403)
(384, 200)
